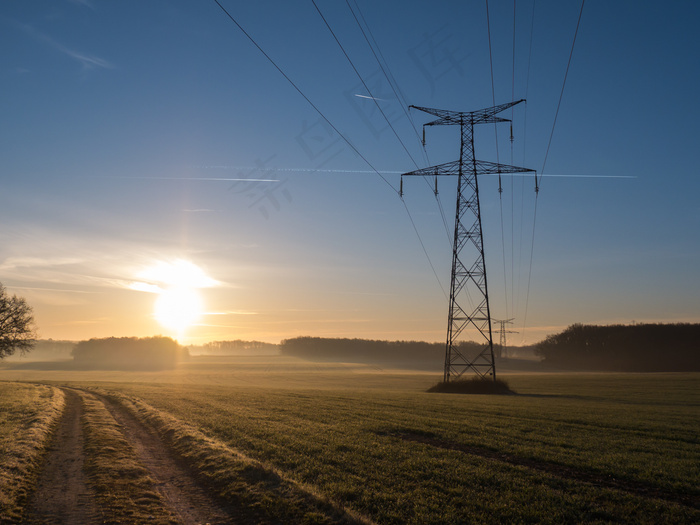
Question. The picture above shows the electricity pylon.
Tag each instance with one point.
(502, 330)
(468, 280)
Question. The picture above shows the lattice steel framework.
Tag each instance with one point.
(469, 312)
(502, 331)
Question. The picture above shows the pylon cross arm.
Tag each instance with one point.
(485, 167)
(481, 116)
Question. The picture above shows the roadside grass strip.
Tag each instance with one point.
(28, 415)
(259, 492)
(570, 453)
(124, 490)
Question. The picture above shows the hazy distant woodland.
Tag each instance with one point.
(628, 348)
(411, 354)
(622, 348)
(234, 347)
(129, 353)
(46, 350)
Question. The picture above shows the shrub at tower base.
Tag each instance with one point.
(128, 353)
(473, 385)
(629, 348)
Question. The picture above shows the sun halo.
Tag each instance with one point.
(178, 308)
(179, 305)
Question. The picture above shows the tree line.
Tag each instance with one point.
(234, 347)
(129, 353)
(634, 348)
(365, 350)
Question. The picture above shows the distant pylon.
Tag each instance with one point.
(502, 330)
(468, 280)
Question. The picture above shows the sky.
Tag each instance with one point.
(160, 175)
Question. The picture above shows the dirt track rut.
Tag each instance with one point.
(63, 494)
(184, 496)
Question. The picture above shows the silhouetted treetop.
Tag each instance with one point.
(637, 347)
(129, 353)
(16, 324)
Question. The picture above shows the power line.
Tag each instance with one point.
(425, 251)
(332, 126)
(303, 95)
(498, 161)
(385, 70)
(392, 81)
(512, 182)
(525, 128)
(395, 134)
(537, 184)
(376, 102)
(561, 94)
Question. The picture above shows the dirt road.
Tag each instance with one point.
(66, 494)
(62, 494)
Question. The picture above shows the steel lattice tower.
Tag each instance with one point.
(502, 331)
(469, 311)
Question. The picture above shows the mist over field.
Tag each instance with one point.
(632, 348)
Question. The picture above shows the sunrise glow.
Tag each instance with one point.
(177, 282)
(178, 308)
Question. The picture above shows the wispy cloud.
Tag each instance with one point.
(144, 287)
(234, 312)
(14, 263)
(87, 61)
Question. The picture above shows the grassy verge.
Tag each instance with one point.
(28, 413)
(259, 492)
(123, 488)
(412, 457)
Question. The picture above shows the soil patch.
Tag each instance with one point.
(184, 496)
(62, 494)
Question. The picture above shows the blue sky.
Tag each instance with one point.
(119, 117)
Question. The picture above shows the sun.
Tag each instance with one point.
(178, 308)
(179, 305)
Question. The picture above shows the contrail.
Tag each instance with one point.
(300, 170)
(396, 172)
(322, 170)
(569, 176)
(371, 98)
(188, 178)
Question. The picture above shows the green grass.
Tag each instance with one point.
(28, 413)
(124, 490)
(553, 453)
(566, 449)
(259, 493)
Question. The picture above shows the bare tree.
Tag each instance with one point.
(16, 324)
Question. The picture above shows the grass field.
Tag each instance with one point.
(27, 415)
(567, 448)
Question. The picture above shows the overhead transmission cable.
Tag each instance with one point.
(362, 80)
(525, 128)
(544, 163)
(563, 85)
(498, 160)
(374, 99)
(402, 102)
(385, 69)
(512, 182)
(323, 116)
